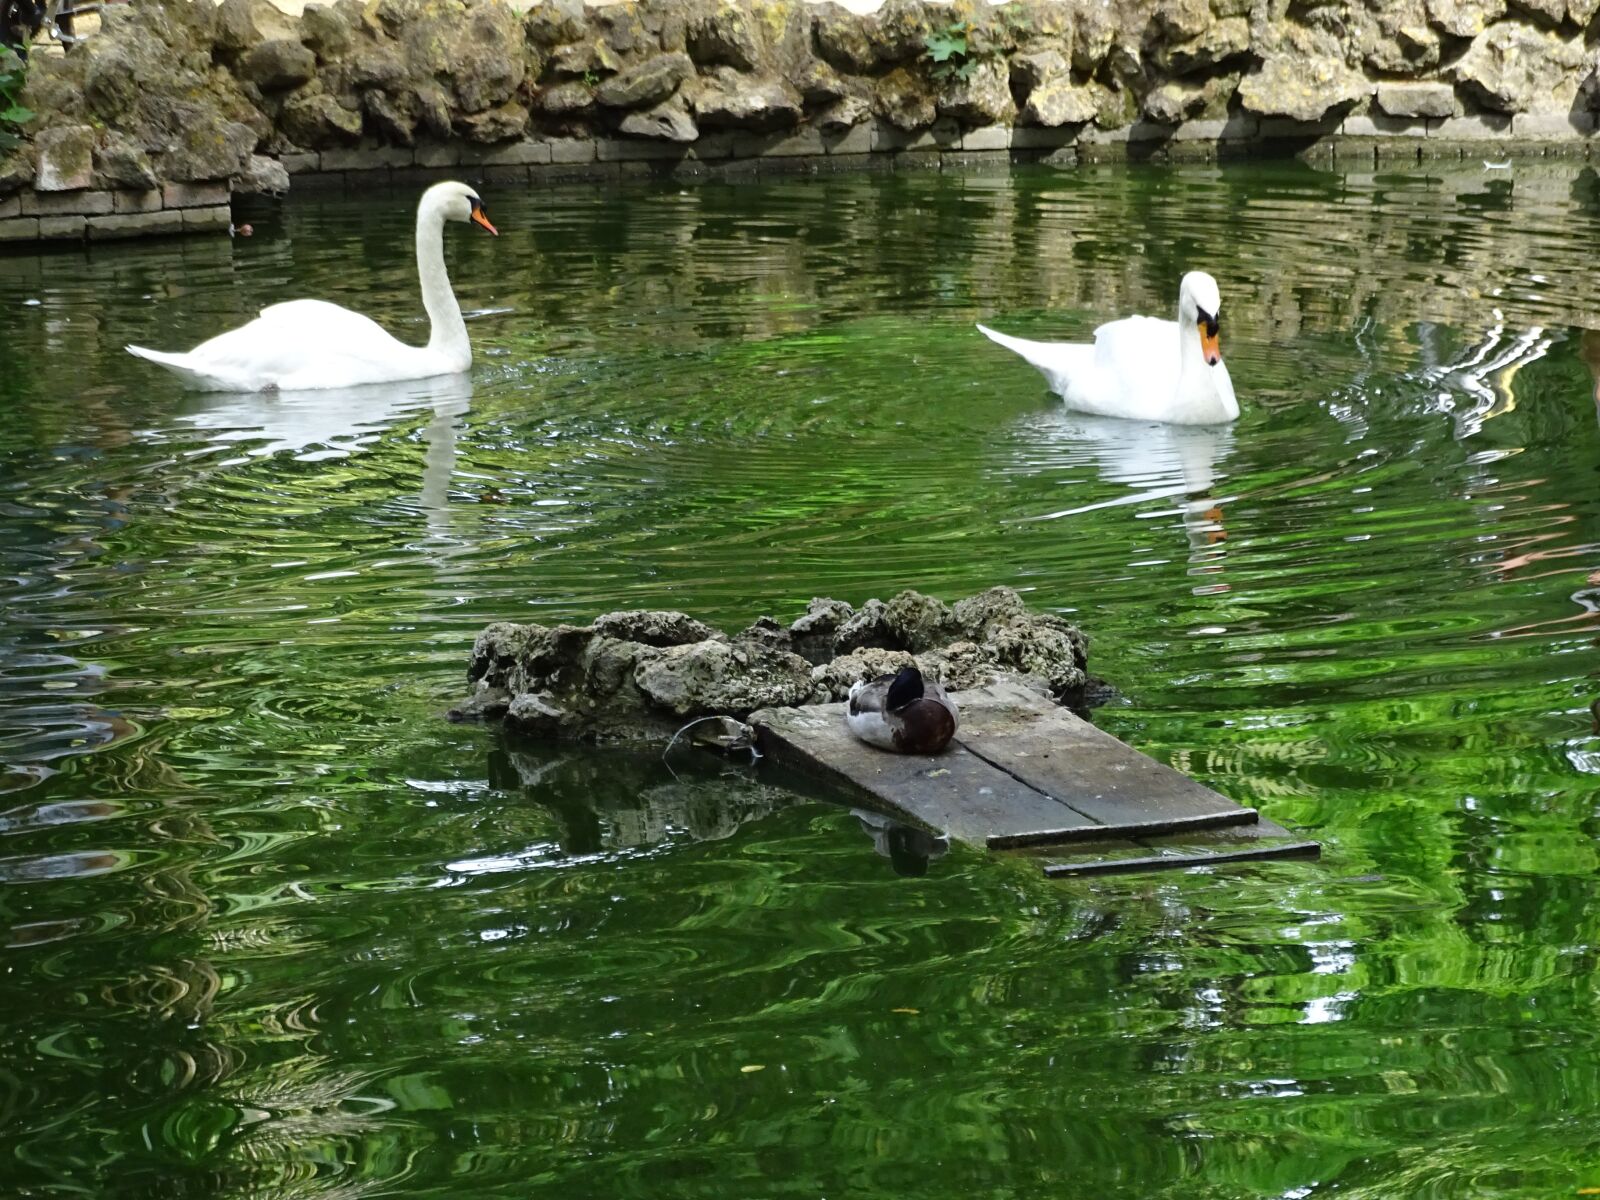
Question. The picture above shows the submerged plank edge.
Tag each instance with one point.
(1222, 819)
(1173, 862)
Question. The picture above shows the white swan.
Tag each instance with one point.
(306, 344)
(1143, 367)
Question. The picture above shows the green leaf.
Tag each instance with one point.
(17, 114)
(943, 46)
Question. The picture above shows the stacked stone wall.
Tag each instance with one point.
(362, 92)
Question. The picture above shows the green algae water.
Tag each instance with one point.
(270, 927)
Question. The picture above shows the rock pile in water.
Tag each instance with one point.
(639, 674)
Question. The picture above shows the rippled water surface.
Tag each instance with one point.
(272, 928)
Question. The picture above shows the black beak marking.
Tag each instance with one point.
(1212, 324)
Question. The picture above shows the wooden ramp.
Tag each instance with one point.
(1024, 772)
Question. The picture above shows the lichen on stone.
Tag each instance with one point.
(642, 674)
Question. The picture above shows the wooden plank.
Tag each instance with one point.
(1221, 819)
(1065, 757)
(1024, 772)
(1167, 862)
(955, 793)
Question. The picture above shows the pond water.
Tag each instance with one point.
(272, 928)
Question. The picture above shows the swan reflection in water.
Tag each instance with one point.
(1156, 461)
(336, 422)
(322, 424)
(1478, 382)
(1589, 351)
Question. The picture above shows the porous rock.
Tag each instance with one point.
(66, 158)
(833, 678)
(905, 100)
(725, 678)
(1062, 102)
(845, 39)
(843, 114)
(498, 124)
(982, 98)
(649, 83)
(819, 83)
(724, 35)
(725, 99)
(241, 25)
(329, 29)
(317, 121)
(1302, 88)
(278, 65)
(654, 627)
(261, 176)
(1515, 68)
(1213, 44)
(119, 163)
(16, 170)
(603, 681)
(812, 635)
(554, 22)
(565, 99)
(669, 122)
(1400, 99)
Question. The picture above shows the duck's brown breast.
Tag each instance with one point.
(926, 727)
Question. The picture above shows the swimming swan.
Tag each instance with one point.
(314, 344)
(902, 712)
(1143, 367)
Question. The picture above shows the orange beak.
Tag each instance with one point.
(1211, 344)
(479, 219)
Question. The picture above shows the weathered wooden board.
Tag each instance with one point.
(1176, 861)
(955, 793)
(1064, 756)
(1024, 772)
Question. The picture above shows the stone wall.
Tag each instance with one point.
(106, 213)
(386, 91)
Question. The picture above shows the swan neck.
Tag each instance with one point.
(1190, 355)
(449, 334)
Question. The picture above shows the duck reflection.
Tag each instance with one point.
(908, 849)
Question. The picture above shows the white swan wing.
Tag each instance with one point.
(299, 344)
(1063, 364)
(315, 344)
(1139, 364)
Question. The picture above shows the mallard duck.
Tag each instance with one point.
(312, 344)
(1143, 367)
(902, 712)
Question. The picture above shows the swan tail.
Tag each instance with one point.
(179, 365)
(1018, 345)
(1058, 360)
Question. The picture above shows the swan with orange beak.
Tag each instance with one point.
(302, 345)
(1144, 368)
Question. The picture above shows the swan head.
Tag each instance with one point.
(454, 201)
(1200, 307)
